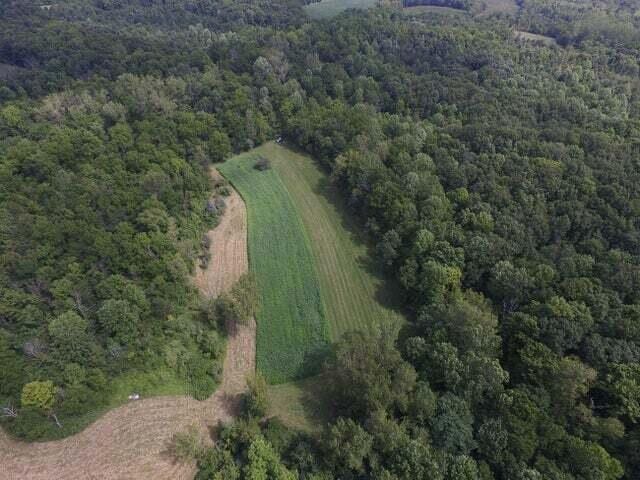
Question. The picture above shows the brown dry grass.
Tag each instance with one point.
(132, 441)
(228, 248)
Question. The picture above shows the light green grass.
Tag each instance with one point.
(331, 8)
(302, 405)
(292, 330)
(354, 294)
(432, 9)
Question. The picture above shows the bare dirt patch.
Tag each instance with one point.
(228, 248)
(132, 441)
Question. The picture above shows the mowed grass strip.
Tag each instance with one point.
(354, 293)
(292, 331)
(331, 8)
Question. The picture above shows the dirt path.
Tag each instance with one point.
(228, 248)
(130, 442)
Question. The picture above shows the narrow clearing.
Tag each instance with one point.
(292, 329)
(131, 442)
(228, 248)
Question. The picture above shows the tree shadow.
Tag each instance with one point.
(313, 361)
(388, 292)
(315, 399)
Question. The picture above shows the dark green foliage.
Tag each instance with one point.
(119, 320)
(612, 23)
(101, 210)
(32, 426)
(243, 453)
(256, 401)
(369, 374)
(186, 446)
(451, 426)
(70, 339)
(624, 387)
(11, 376)
(347, 446)
(262, 164)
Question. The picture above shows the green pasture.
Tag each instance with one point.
(355, 297)
(331, 8)
(292, 330)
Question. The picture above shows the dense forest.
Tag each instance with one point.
(497, 178)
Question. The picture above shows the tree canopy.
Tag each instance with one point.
(495, 175)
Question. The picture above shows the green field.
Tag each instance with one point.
(292, 329)
(432, 9)
(331, 8)
(314, 272)
(491, 7)
(303, 405)
(353, 292)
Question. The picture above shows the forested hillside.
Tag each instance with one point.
(104, 201)
(497, 178)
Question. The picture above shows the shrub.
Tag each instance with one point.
(198, 373)
(239, 305)
(221, 187)
(256, 401)
(39, 395)
(30, 424)
(262, 164)
(205, 255)
(186, 445)
(245, 295)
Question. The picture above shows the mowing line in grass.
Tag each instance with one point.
(355, 295)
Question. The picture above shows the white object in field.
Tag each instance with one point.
(134, 396)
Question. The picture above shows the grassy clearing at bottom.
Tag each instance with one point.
(331, 8)
(292, 331)
(354, 293)
(301, 405)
